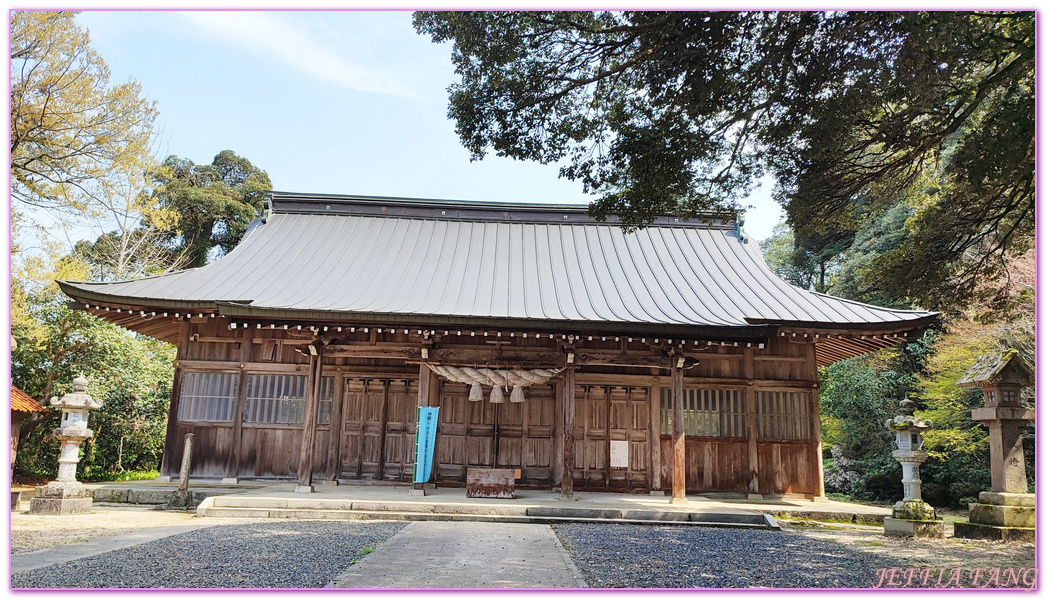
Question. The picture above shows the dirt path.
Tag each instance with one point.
(946, 553)
(37, 532)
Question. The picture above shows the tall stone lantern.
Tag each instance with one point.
(66, 495)
(1008, 512)
(911, 516)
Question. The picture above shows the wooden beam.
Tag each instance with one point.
(567, 479)
(216, 340)
(584, 378)
(229, 365)
(629, 360)
(521, 356)
(305, 461)
(679, 442)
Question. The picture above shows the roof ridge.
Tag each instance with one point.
(467, 210)
(849, 301)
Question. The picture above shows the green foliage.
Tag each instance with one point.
(958, 445)
(681, 112)
(857, 396)
(97, 475)
(214, 203)
(809, 263)
(74, 135)
(858, 277)
(131, 375)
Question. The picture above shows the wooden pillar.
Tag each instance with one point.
(383, 428)
(558, 421)
(816, 425)
(749, 368)
(567, 479)
(655, 433)
(16, 427)
(606, 433)
(334, 446)
(312, 399)
(176, 392)
(679, 442)
(426, 383)
(233, 465)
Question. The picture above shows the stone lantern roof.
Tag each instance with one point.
(78, 399)
(907, 420)
(1007, 367)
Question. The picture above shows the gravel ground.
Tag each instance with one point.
(646, 556)
(294, 554)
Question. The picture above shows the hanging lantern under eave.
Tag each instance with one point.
(517, 395)
(476, 393)
(497, 397)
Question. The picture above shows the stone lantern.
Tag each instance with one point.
(911, 516)
(66, 495)
(1008, 511)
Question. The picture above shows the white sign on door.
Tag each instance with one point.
(619, 454)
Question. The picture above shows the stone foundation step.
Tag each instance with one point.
(507, 514)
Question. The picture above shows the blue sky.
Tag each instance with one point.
(345, 102)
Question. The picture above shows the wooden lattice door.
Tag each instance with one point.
(379, 422)
(605, 415)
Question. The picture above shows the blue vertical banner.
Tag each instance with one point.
(425, 442)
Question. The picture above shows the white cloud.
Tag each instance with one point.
(317, 52)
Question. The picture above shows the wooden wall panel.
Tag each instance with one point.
(451, 429)
(786, 467)
(712, 465)
(590, 435)
(537, 448)
(270, 450)
(321, 447)
(665, 443)
(401, 425)
(212, 446)
(479, 438)
(727, 363)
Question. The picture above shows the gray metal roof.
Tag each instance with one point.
(413, 259)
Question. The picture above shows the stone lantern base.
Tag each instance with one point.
(61, 498)
(914, 518)
(1000, 516)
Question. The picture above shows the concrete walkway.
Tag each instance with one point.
(435, 554)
